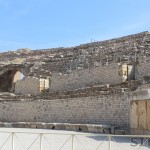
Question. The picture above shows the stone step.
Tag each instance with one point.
(93, 128)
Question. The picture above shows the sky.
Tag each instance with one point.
(41, 24)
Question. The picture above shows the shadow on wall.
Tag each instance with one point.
(8, 80)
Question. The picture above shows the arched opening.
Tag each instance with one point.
(18, 76)
(8, 80)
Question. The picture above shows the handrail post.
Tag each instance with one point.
(13, 140)
(73, 142)
(109, 138)
(41, 141)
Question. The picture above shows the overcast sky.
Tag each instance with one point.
(37, 24)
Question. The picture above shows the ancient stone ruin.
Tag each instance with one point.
(95, 83)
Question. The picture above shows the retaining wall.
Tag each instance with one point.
(104, 109)
(86, 77)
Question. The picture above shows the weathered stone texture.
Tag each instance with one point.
(134, 115)
(81, 66)
(143, 69)
(140, 115)
(148, 115)
(85, 83)
(31, 86)
(99, 109)
(85, 78)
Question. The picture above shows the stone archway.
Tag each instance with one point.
(9, 75)
(8, 79)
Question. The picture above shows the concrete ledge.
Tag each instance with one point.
(93, 128)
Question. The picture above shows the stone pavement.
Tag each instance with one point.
(29, 139)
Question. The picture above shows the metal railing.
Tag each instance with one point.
(73, 141)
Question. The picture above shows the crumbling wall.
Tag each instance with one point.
(95, 59)
(27, 85)
(104, 109)
(126, 49)
(86, 78)
(31, 85)
(144, 69)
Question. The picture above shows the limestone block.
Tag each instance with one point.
(60, 126)
(113, 128)
(98, 129)
(27, 125)
(72, 127)
(134, 115)
(27, 86)
(90, 128)
(33, 125)
(49, 126)
(107, 130)
(8, 125)
(2, 124)
(148, 114)
(39, 125)
(119, 132)
(83, 128)
(15, 125)
(139, 132)
(142, 115)
(69, 127)
(18, 125)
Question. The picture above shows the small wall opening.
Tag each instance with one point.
(127, 72)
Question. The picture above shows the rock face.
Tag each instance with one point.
(102, 73)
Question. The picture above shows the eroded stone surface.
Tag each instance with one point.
(148, 115)
(86, 84)
(134, 115)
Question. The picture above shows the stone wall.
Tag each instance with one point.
(27, 86)
(85, 78)
(143, 69)
(31, 85)
(61, 60)
(92, 64)
(104, 109)
(81, 66)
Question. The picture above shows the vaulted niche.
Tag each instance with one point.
(8, 80)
